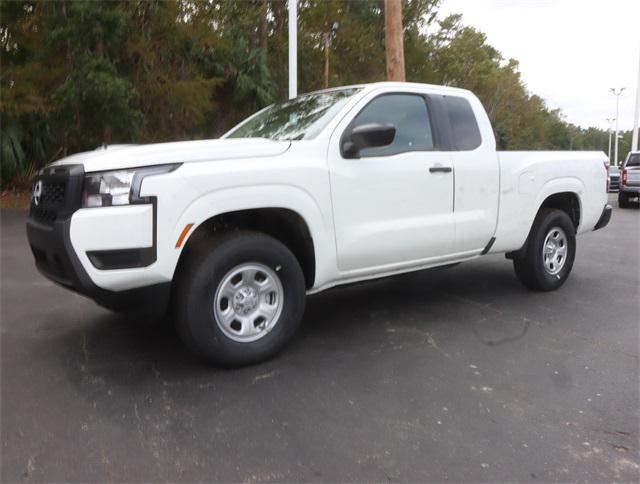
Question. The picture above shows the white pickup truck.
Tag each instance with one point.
(329, 188)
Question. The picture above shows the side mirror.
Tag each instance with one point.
(367, 136)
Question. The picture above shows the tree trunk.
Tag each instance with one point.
(325, 59)
(393, 40)
(106, 136)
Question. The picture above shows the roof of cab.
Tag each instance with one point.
(394, 85)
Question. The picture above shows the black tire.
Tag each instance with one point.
(203, 271)
(530, 269)
(623, 200)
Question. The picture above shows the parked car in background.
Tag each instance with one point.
(614, 178)
(630, 180)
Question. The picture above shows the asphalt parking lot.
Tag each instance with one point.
(445, 375)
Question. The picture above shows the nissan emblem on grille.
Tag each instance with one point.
(37, 192)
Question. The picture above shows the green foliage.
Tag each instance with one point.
(78, 73)
(13, 157)
(94, 103)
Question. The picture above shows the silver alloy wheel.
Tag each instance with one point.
(248, 302)
(554, 250)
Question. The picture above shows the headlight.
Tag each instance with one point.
(107, 189)
(118, 187)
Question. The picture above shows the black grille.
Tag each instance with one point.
(43, 214)
(53, 193)
(59, 193)
(50, 202)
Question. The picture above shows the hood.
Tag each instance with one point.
(116, 157)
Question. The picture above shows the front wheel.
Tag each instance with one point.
(240, 298)
(550, 252)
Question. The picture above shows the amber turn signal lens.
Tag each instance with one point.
(183, 235)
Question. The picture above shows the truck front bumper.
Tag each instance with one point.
(56, 259)
(55, 211)
(603, 221)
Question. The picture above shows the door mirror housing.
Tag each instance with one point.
(367, 136)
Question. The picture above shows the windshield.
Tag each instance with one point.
(634, 160)
(299, 118)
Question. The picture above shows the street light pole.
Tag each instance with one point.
(616, 93)
(636, 118)
(610, 121)
(293, 48)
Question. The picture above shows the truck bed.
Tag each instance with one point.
(527, 178)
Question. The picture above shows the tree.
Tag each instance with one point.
(76, 74)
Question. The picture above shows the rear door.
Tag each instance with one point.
(477, 175)
(393, 205)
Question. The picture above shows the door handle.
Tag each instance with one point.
(440, 169)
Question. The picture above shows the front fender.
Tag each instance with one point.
(317, 219)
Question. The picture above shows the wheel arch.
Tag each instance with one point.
(566, 201)
(283, 224)
(290, 205)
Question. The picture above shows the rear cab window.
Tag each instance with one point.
(464, 127)
(634, 160)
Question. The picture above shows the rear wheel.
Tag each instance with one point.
(623, 200)
(240, 298)
(550, 252)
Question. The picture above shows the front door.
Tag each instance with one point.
(393, 206)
